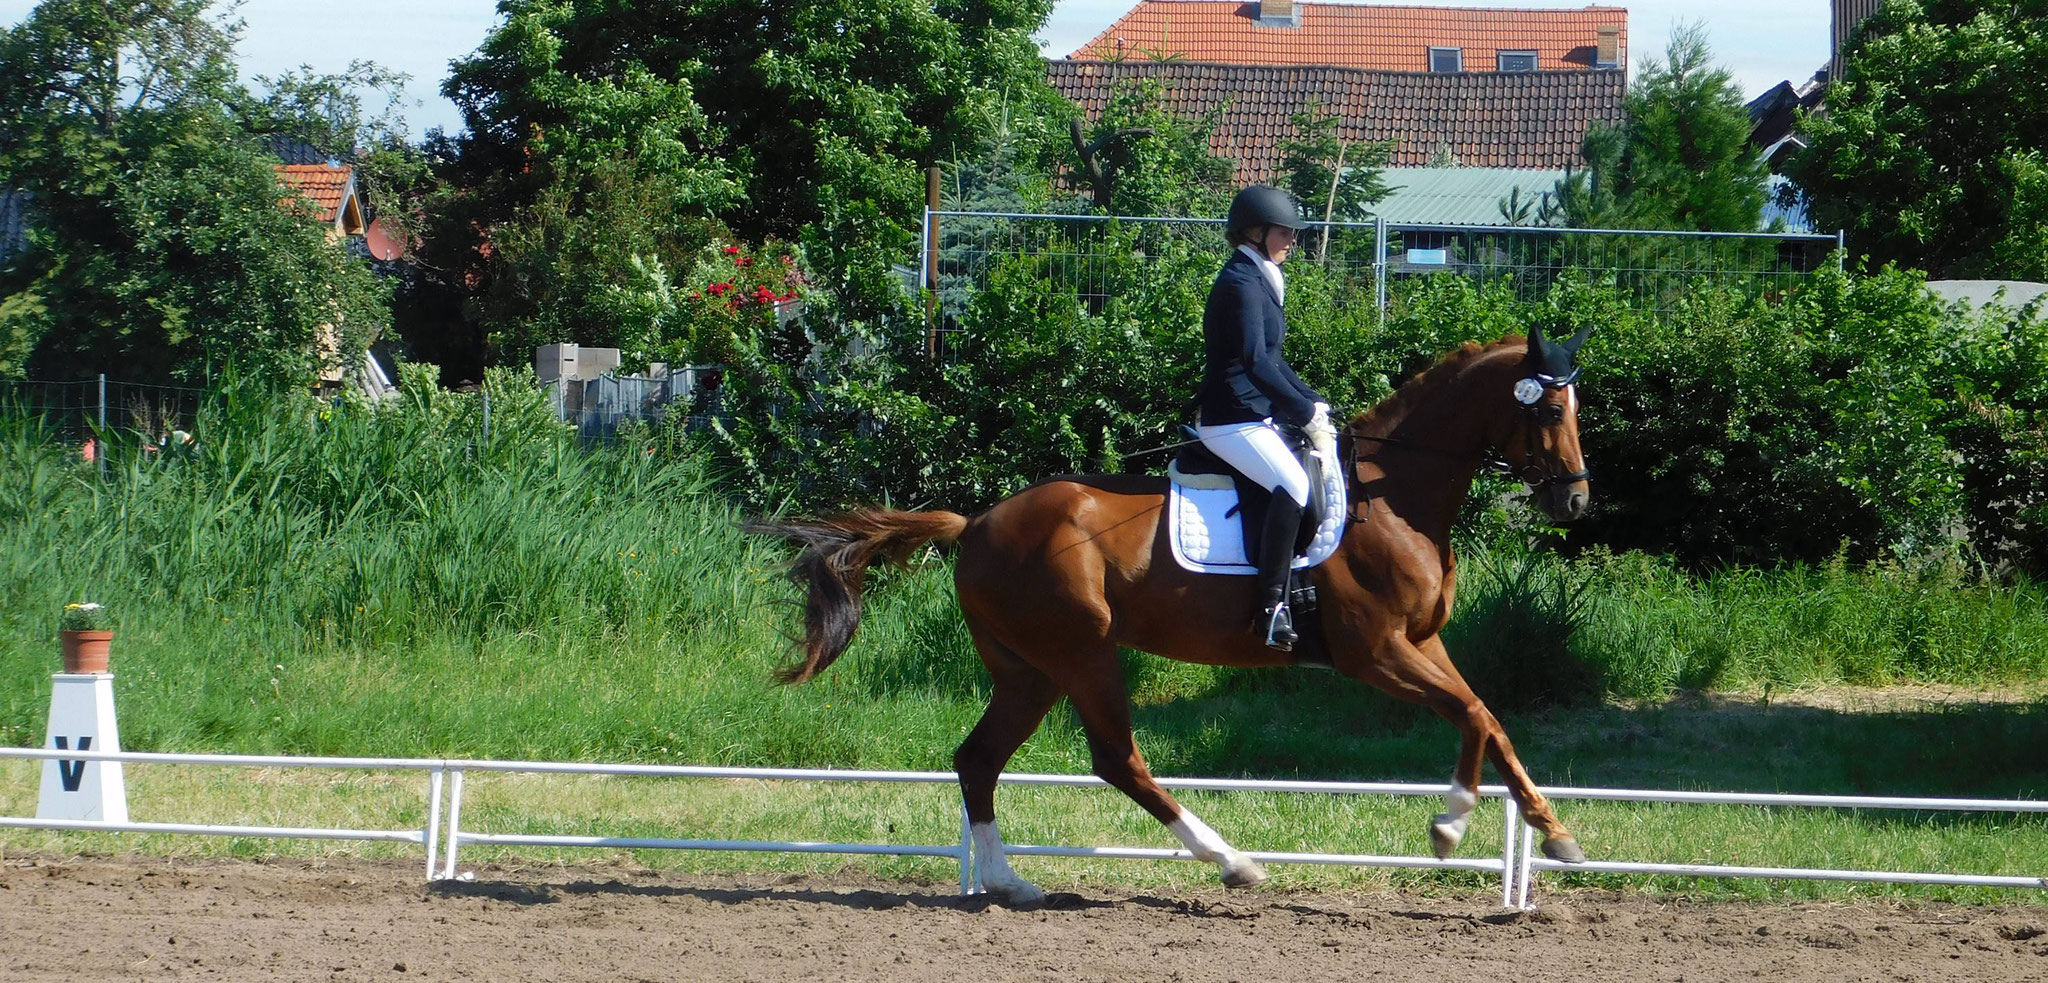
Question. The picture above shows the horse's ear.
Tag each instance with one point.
(1571, 345)
(1537, 343)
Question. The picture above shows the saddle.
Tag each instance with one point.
(1215, 515)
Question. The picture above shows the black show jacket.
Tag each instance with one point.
(1243, 376)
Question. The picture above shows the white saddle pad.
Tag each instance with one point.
(1207, 537)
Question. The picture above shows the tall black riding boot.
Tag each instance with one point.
(1276, 554)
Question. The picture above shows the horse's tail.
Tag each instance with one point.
(832, 567)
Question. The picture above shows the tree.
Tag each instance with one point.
(1162, 165)
(1930, 152)
(1681, 161)
(1329, 175)
(810, 121)
(159, 249)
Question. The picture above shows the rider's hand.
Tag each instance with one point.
(1321, 434)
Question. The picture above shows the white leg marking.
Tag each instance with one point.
(1206, 844)
(1447, 830)
(993, 868)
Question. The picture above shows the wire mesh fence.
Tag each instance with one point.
(75, 410)
(1094, 257)
(103, 420)
(1652, 269)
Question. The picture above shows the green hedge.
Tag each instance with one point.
(1848, 414)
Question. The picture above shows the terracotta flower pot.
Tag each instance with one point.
(85, 651)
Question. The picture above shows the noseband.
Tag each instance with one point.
(1536, 476)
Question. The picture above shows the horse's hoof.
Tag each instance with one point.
(1246, 874)
(1445, 837)
(1563, 849)
(1015, 894)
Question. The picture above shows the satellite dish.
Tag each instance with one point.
(384, 242)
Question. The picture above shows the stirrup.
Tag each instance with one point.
(1279, 628)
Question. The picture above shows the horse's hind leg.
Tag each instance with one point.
(1104, 706)
(1020, 697)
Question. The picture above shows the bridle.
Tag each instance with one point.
(1536, 476)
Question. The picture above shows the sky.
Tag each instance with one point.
(1761, 41)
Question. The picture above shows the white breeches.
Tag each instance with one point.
(1257, 450)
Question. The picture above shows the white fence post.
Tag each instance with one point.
(433, 831)
(1511, 814)
(454, 824)
(968, 882)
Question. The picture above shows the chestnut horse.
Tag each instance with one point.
(1054, 578)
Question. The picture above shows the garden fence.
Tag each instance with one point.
(1091, 255)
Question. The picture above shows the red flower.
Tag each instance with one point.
(732, 250)
(744, 261)
(787, 260)
(718, 288)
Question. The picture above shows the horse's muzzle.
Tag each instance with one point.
(1563, 501)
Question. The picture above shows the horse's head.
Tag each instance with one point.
(1541, 443)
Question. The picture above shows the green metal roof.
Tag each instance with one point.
(1459, 195)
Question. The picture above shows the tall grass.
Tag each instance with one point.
(1652, 629)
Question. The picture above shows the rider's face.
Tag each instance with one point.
(1279, 240)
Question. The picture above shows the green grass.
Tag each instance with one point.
(323, 580)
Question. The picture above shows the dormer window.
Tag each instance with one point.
(1516, 61)
(1446, 60)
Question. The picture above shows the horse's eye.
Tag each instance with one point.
(1553, 413)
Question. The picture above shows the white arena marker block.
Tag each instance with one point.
(82, 719)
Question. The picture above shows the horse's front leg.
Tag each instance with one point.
(1447, 828)
(1423, 673)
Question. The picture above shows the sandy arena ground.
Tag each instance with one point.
(157, 919)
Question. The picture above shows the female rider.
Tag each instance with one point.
(1248, 391)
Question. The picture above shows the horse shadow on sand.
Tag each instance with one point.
(934, 896)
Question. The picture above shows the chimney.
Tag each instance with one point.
(1608, 55)
(1279, 13)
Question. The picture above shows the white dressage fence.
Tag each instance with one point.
(1517, 866)
(426, 836)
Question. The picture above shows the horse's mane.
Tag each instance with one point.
(1391, 410)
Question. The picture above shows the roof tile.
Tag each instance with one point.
(327, 185)
(1486, 119)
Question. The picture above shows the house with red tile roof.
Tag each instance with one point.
(329, 193)
(330, 190)
(1374, 37)
(1480, 119)
(1487, 87)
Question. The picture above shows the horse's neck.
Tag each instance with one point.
(1430, 445)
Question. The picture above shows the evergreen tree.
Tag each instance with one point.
(1681, 161)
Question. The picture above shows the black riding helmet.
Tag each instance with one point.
(1260, 205)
